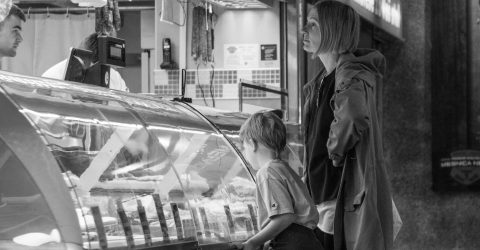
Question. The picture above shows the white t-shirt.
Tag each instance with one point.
(57, 71)
(281, 191)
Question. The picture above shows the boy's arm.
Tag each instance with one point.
(277, 224)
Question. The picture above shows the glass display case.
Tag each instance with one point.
(93, 168)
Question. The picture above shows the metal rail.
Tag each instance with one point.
(79, 10)
(243, 84)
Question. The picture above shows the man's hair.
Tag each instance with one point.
(15, 11)
(265, 128)
(339, 27)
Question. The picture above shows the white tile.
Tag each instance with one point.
(230, 91)
(160, 77)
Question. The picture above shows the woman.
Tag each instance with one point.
(345, 172)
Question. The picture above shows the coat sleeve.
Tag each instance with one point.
(350, 121)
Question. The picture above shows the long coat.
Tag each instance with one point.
(355, 142)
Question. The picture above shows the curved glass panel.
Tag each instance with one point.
(230, 122)
(112, 165)
(141, 172)
(218, 187)
(25, 218)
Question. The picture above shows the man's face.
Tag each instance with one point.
(10, 36)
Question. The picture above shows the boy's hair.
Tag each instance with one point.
(339, 27)
(265, 128)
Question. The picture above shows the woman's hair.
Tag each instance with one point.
(339, 27)
(265, 128)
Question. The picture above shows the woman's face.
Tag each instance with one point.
(311, 32)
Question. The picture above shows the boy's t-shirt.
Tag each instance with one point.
(281, 191)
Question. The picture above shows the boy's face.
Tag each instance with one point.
(249, 153)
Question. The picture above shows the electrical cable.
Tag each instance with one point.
(199, 85)
(212, 75)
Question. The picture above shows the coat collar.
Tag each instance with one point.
(364, 64)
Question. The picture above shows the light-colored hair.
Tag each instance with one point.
(339, 27)
(265, 128)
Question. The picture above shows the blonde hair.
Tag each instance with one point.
(265, 128)
(339, 27)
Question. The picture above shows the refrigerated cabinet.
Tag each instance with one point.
(93, 168)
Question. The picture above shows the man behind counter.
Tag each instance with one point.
(57, 71)
(10, 29)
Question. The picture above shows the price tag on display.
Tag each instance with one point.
(161, 217)
(178, 222)
(97, 218)
(206, 226)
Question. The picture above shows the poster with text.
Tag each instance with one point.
(241, 56)
(268, 56)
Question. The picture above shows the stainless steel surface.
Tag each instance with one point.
(67, 3)
(300, 67)
(295, 56)
(283, 56)
(78, 10)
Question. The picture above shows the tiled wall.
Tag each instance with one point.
(224, 82)
(166, 82)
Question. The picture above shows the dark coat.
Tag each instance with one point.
(355, 142)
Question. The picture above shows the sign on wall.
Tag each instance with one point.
(268, 56)
(239, 56)
(460, 170)
(268, 52)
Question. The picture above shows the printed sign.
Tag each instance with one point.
(464, 169)
(241, 56)
(268, 52)
(461, 170)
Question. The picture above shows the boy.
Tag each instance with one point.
(286, 212)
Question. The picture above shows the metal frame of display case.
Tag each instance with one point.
(219, 130)
(22, 139)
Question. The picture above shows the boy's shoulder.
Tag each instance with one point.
(278, 164)
(274, 169)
